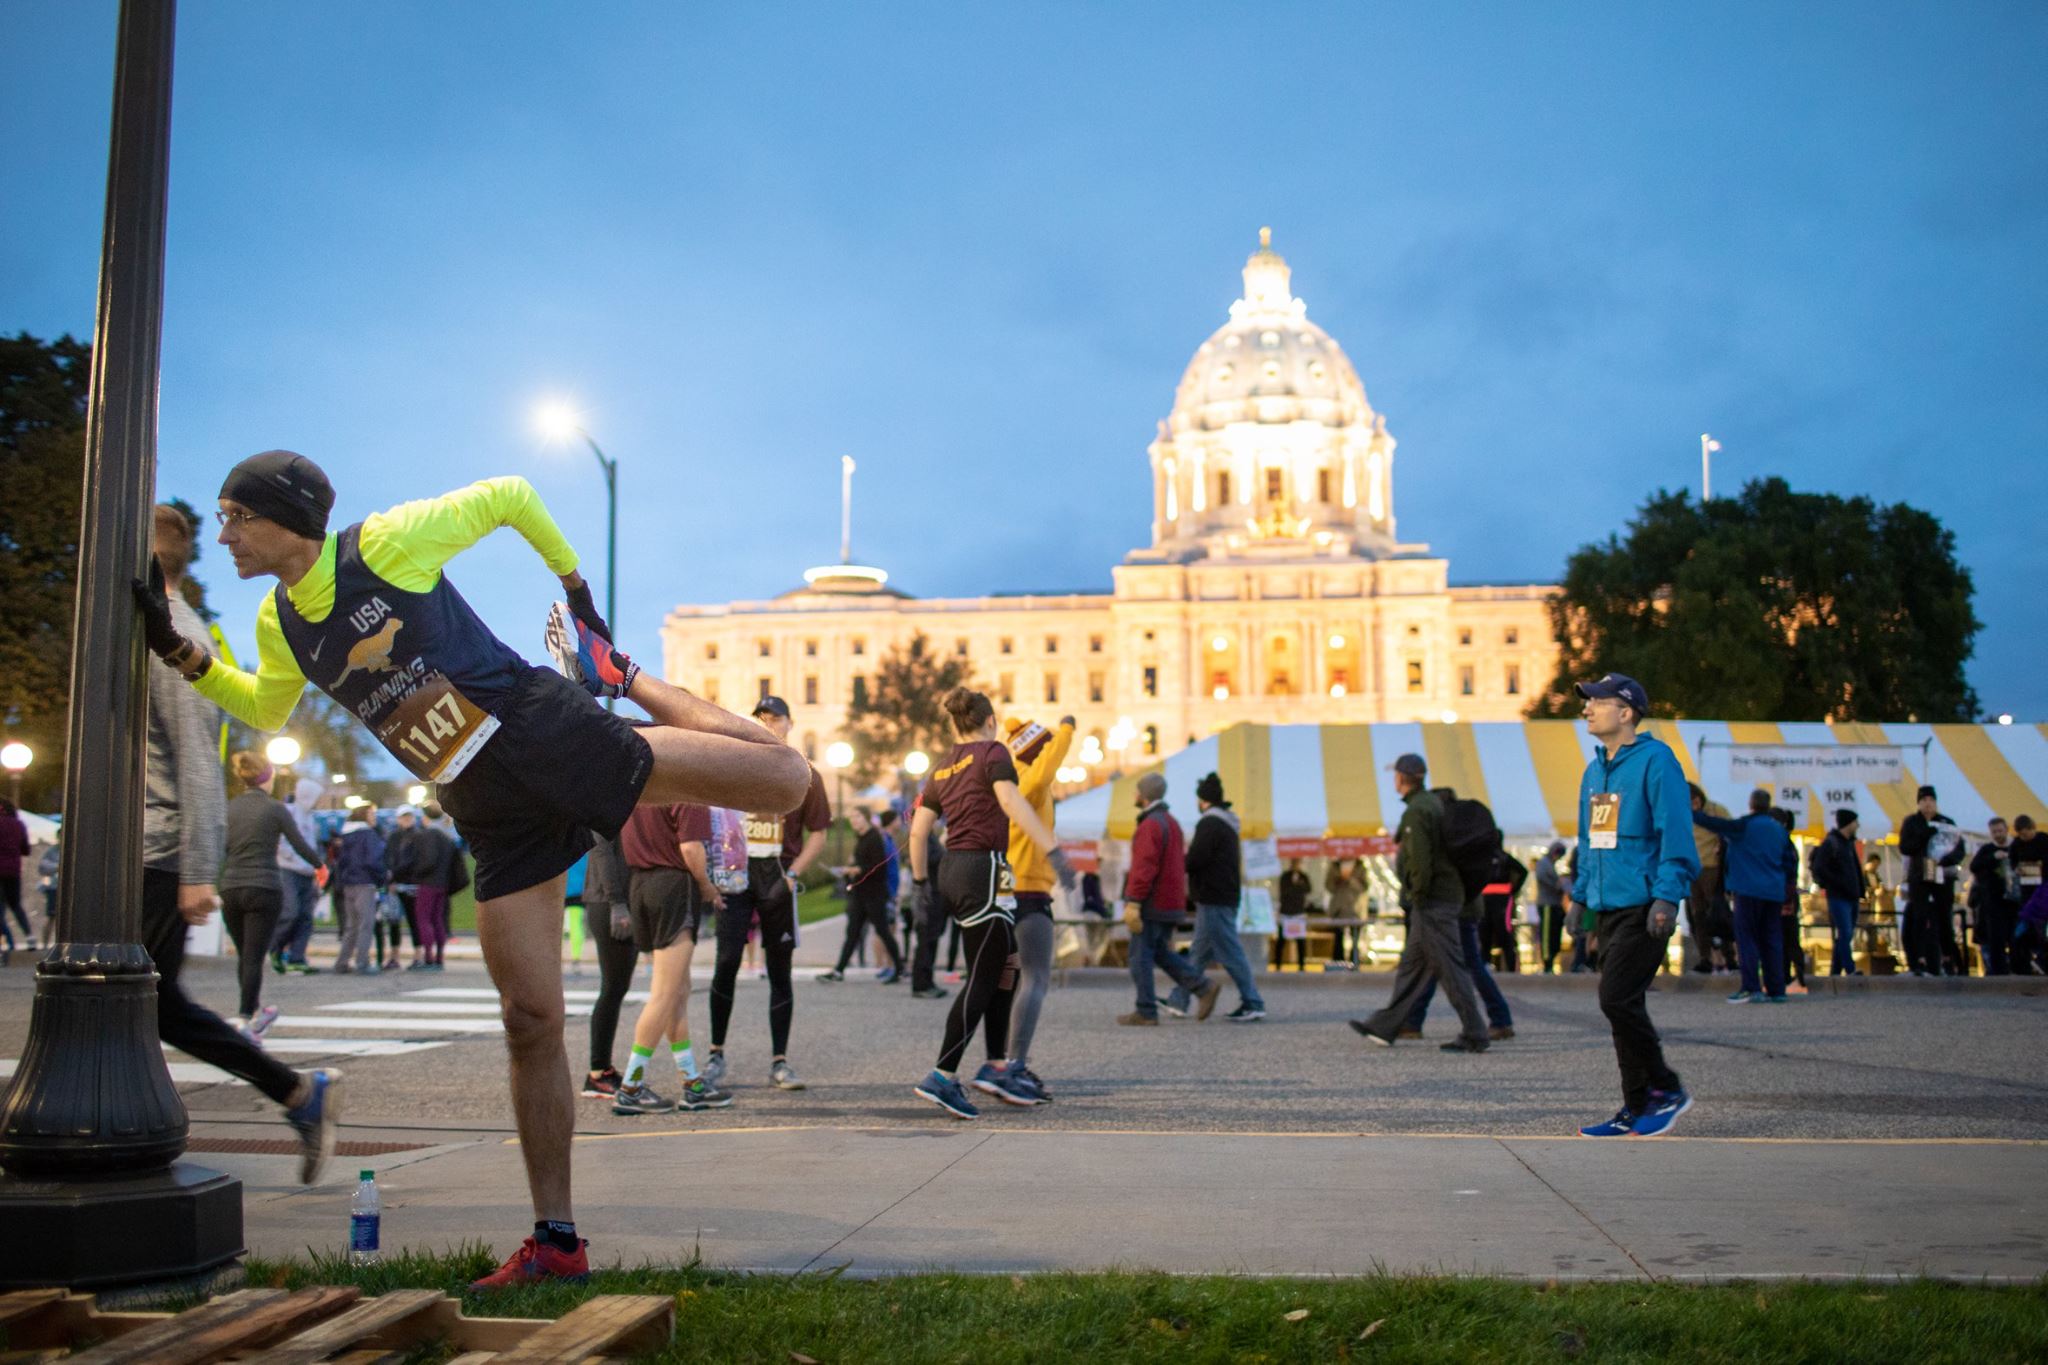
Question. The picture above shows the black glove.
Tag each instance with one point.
(927, 899)
(1663, 918)
(584, 608)
(1061, 868)
(159, 631)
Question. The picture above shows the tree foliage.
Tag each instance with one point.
(900, 708)
(1773, 605)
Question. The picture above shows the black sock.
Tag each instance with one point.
(560, 1236)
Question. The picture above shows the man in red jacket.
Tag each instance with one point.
(1155, 902)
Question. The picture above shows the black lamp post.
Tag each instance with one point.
(92, 1128)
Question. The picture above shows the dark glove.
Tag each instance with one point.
(1663, 918)
(1061, 868)
(584, 608)
(158, 629)
(622, 922)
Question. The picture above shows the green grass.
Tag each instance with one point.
(1129, 1317)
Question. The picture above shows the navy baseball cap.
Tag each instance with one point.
(1409, 765)
(1617, 685)
(772, 706)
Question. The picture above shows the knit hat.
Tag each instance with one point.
(1924, 793)
(285, 487)
(1210, 789)
(1844, 818)
(1025, 738)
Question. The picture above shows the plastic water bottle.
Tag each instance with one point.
(365, 1219)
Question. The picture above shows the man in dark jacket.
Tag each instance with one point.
(1761, 864)
(1434, 896)
(1838, 872)
(2030, 863)
(1995, 897)
(1215, 885)
(1933, 849)
(1155, 901)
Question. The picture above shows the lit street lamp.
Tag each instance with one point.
(282, 751)
(15, 757)
(416, 794)
(839, 757)
(917, 763)
(1708, 445)
(560, 422)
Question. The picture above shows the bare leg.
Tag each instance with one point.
(706, 755)
(521, 936)
(662, 1015)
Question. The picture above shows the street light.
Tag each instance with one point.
(416, 794)
(560, 422)
(337, 778)
(282, 751)
(917, 763)
(1708, 445)
(15, 757)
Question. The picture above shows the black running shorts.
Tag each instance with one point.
(975, 885)
(664, 907)
(1034, 903)
(558, 767)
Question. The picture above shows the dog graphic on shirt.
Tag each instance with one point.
(372, 654)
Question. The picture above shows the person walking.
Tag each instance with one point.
(976, 792)
(1550, 906)
(14, 846)
(1038, 755)
(1706, 905)
(780, 849)
(184, 831)
(300, 880)
(1433, 895)
(524, 759)
(361, 874)
(608, 926)
(251, 884)
(2030, 868)
(1636, 861)
(1995, 899)
(1155, 903)
(1933, 849)
(1838, 872)
(1761, 863)
(867, 898)
(669, 890)
(1215, 867)
(434, 863)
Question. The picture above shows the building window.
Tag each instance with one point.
(811, 689)
(1151, 739)
(1465, 635)
(1340, 681)
(711, 689)
(764, 647)
(960, 649)
(1276, 482)
(1006, 688)
(1467, 685)
(1513, 635)
(860, 690)
(1219, 683)
(767, 688)
(1150, 685)
(1280, 685)
(811, 745)
(1222, 487)
(1415, 675)
(1514, 680)
(1095, 687)
(1095, 644)
(1322, 485)
(711, 650)
(1052, 689)
(1052, 644)
(860, 647)
(1414, 632)
(1006, 645)
(810, 649)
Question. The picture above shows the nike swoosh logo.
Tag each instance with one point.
(315, 650)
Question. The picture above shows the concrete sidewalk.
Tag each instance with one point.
(996, 1197)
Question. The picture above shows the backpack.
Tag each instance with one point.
(1472, 841)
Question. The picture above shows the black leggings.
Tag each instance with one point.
(858, 918)
(987, 993)
(190, 1027)
(250, 914)
(778, 942)
(10, 904)
(616, 958)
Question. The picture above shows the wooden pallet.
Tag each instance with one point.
(331, 1323)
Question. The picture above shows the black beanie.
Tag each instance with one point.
(1844, 818)
(1210, 789)
(286, 487)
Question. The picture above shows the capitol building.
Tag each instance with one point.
(1274, 588)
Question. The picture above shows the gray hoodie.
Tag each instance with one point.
(184, 805)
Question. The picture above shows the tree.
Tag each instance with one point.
(899, 710)
(1773, 605)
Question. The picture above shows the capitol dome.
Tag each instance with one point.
(1271, 446)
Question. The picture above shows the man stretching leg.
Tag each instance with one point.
(528, 764)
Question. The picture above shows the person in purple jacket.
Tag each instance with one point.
(13, 848)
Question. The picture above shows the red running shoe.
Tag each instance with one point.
(537, 1260)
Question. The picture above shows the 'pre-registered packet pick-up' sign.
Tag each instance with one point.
(1815, 765)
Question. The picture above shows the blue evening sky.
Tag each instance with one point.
(974, 245)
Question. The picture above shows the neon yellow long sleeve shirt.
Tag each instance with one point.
(406, 547)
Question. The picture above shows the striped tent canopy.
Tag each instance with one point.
(1329, 784)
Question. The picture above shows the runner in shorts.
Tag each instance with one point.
(527, 763)
(671, 888)
(975, 789)
(779, 849)
(1038, 754)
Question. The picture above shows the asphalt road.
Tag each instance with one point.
(1895, 1060)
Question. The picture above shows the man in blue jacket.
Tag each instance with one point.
(1761, 864)
(1636, 861)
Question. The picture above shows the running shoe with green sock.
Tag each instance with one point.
(697, 1095)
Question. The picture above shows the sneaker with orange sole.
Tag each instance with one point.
(536, 1261)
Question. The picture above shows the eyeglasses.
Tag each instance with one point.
(238, 518)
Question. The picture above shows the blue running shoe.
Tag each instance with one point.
(1000, 1082)
(1743, 997)
(314, 1122)
(587, 658)
(1665, 1107)
(1622, 1124)
(946, 1093)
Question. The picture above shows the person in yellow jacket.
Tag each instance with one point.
(1039, 754)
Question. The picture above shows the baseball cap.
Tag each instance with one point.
(1409, 765)
(772, 706)
(413, 811)
(1620, 686)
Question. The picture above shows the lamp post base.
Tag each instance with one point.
(84, 1234)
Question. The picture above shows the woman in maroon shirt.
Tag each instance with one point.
(975, 791)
